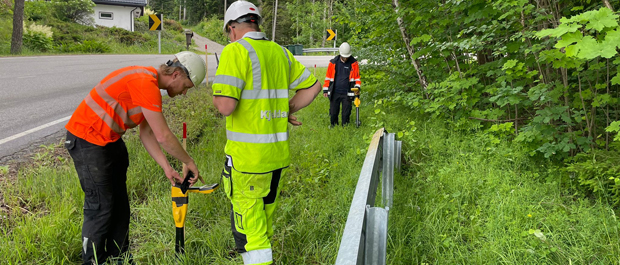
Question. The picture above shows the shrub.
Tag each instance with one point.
(211, 28)
(6, 7)
(74, 10)
(93, 46)
(126, 37)
(597, 172)
(37, 10)
(65, 32)
(38, 37)
(88, 46)
(171, 24)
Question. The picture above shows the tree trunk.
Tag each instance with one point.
(564, 72)
(607, 112)
(583, 106)
(324, 24)
(275, 16)
(410, 49)
(18, 27)
(608, 5)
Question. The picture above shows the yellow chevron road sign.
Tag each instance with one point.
(331, 34)
(155, 22)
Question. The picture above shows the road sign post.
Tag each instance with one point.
(155, 23)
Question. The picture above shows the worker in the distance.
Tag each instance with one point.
(124, 99)
(251, 88)
(342, 83)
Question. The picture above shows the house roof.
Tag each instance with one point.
(137, 3)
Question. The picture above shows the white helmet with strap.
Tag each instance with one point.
(195, 67)
(241, 9)
(345, 50)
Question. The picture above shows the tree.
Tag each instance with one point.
(18, 27)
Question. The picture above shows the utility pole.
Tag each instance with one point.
(275, 16)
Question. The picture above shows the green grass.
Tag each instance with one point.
(458, 200)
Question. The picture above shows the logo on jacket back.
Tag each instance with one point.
(272, 114)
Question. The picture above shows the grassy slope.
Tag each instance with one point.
(460, 199)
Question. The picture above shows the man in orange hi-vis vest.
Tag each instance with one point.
(124, 99)
(343, 75)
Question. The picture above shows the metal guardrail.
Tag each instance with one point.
(320, 50)
(364, 240)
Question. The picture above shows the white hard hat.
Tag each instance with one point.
(240, 9)
(345, 50)
(195, 66)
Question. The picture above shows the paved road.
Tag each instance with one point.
(38, 94)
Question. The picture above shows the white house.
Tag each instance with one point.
(118, 13)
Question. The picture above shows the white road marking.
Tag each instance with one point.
(11, 138)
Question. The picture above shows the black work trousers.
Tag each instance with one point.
(334, 108)
(102, 171)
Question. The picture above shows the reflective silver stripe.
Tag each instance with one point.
(256, 71)
(256, 138)
(304, 76)
(113, 103)
(350, 94)
(330, 79)
(84, 243)
(257, 256)
(134, 111)
(288, 58)
(264, 93)
(358, 80)
(229, 80)
(118, 109)
(103, 115)
(351, 80)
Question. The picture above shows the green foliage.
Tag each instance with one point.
(88, 46)
(596, 173)
(38, 10)
(38, 37)
(6, 8)
(211, 28)
(74, 10)
(6, 31)
(127, 37)
(614, 127)
(600, 22)
(170, 24)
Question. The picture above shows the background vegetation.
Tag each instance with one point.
(53, 27)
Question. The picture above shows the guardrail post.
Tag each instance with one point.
(398, 158)
(387, 183)
(376, 235)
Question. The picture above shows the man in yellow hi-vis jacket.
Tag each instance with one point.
(251, 89)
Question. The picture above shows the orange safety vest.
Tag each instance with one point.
(115, 105)
(354, 76)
